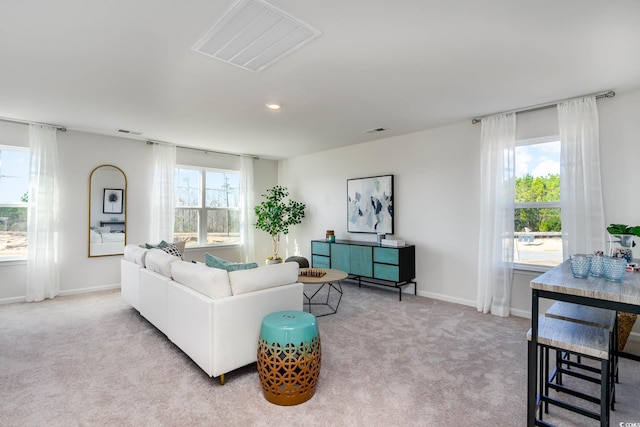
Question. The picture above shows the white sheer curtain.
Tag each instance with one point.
(162, 199)
(246, 208)
(583, 227)
(497, 184)
(43, 272)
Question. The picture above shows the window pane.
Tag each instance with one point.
(13, 232)
(538, 229)
(538, 237)
(223, 226)
(14, 188)
(186, 226)
(187, 187)
(538, 220)
(14, 175)
(222, 190)
(538, 172)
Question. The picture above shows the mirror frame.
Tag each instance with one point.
(124, 211)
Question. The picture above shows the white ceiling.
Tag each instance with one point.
(406, 65)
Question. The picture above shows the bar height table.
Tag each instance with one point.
(559, 284)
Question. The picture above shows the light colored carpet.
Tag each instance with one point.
(92, 360)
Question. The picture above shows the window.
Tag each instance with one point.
(538, 229)
(207, 206)
(14, 189)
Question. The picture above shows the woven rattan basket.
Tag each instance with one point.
(625, 323)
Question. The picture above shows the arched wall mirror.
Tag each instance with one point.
(107, 211)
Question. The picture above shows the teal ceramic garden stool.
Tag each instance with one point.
(289, 357)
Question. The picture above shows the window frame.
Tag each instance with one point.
(523, 266)
(204, 210)
(13, 259)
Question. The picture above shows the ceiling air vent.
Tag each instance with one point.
(253, 35)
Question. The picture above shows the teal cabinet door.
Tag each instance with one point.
(320, 248)
(340, 257)
(386, 272)
(386, 255)
(319, 261)
(361, 260)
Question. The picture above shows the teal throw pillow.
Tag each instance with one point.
(160, 245)
(215, 262)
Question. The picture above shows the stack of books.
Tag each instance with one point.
(392, 242)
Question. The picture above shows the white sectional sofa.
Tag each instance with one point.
(211, 315)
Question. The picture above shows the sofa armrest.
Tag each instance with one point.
(129, 283)
(189, 323)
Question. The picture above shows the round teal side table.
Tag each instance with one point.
(289, 357)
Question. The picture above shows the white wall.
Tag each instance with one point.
(436, 201)
(437, 192)
(79, 154)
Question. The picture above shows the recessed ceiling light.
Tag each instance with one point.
(273, 106)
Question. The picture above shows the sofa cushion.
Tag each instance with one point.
(160, 262)
(212, 282)
(268, 276)
(215, 262)
(135, 253)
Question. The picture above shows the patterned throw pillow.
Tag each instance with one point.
(170, 248)
(215, 262)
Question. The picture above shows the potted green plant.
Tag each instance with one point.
(624, 233)
(275, 215)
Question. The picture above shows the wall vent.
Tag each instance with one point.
(376, 130)
(129, 132)
(253, 35)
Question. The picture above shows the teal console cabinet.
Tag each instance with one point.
(368, 262)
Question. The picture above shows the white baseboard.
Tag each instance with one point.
(520, 313)
(12, 300)
(92, 289)
(447, 298)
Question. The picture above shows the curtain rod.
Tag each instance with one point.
(608, 94)
(26, 122)
(184, 147)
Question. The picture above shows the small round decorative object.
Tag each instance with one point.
(289, 357)
(302, 261)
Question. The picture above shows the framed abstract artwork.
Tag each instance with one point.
(370, 205)
(112, 203)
